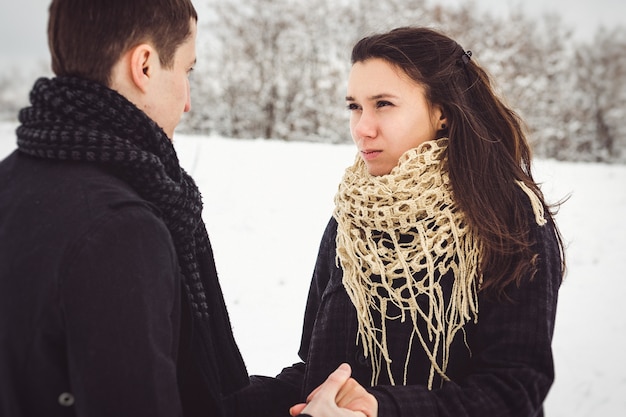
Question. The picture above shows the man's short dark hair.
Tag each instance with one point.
(87, 37)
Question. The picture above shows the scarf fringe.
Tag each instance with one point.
(535, 202)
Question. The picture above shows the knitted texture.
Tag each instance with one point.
(399, 235)
(76, 120)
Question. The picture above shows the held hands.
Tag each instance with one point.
(339, 396)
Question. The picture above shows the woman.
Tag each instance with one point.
(437, 276)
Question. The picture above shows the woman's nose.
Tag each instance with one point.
(364, 125)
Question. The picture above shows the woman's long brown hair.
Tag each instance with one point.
(487, 152)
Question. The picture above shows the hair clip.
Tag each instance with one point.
(466, 57)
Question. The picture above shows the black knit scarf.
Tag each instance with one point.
(72, 119)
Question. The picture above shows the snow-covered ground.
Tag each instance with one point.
(267, 203)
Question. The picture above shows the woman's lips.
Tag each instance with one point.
(368, 155)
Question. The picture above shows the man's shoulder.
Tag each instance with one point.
(79, 190)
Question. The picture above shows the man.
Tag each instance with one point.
(109, 298)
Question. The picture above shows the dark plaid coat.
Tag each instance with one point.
(508, 372)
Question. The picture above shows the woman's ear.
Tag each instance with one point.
(143, 59)
(439, 118)
(443, 122)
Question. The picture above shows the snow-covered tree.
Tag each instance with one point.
(275, 71)
(600, 77)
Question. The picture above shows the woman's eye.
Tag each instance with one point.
(352, 106)
(383, 103)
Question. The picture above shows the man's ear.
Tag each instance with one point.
(143, 61)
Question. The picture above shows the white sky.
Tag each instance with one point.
(23, 29)
(23, 22)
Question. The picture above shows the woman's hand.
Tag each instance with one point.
(339, 396)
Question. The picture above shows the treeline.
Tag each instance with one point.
(278, 69)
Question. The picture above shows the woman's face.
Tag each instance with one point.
(389, 114)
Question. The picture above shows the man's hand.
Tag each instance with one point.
(339, 396)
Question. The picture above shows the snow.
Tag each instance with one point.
(266, 206)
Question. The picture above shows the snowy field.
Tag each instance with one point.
(266, 206)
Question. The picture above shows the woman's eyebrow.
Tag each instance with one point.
(374, 97)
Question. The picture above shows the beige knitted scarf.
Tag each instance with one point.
(398, 236)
